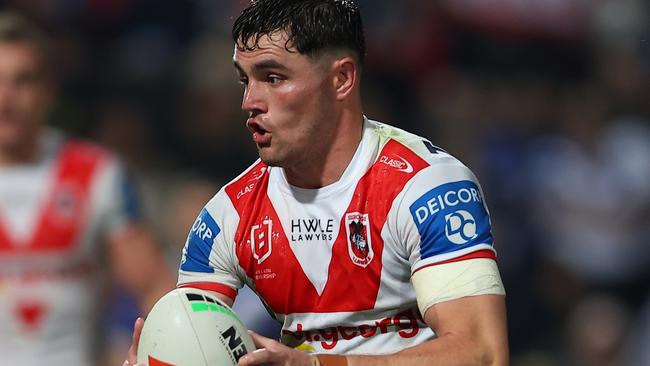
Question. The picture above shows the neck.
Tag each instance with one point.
(326, 165)
(16, 154)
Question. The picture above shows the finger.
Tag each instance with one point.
(261, 341)
(258, 357)
(137, 330)
(133, 350)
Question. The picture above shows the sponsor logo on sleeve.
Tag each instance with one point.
(199, 244)
(451, 216)
(460, 227)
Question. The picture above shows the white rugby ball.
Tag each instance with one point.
(191, 327)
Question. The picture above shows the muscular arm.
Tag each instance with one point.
(471, 331)
(463, 302)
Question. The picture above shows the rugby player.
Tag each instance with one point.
(369, 244)
(66, 210)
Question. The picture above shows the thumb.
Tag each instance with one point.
(137, 331)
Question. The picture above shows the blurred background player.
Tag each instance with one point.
(67, 212)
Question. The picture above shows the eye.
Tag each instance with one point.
(274, 79)
(243, 81)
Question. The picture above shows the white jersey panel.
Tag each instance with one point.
(24, 188)
(209, 253)
(311, 218)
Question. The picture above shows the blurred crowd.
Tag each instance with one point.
(547, 101)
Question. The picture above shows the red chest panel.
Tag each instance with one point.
(64, 210)
(355, 270)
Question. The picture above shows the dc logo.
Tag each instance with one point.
(460, 227)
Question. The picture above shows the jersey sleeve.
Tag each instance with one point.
(443, 217)
(208, 259)
(115, 194)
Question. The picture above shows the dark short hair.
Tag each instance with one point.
(312, 26)
(15, 28)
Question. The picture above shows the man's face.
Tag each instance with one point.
(24, 93)
(289, 99)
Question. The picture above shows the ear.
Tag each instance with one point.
(346, 74)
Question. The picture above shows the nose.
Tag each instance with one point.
(253, 101)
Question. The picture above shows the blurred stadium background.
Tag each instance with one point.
(548, 101)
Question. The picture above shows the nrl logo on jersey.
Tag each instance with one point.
(261, 240)
(357, 226)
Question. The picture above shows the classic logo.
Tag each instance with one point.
(357, 226)
(248, 188)
(261, 243)
(460, 227)
(400, 164)
(258, 174)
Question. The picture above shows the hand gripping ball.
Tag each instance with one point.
(191, 327)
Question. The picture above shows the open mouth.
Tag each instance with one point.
(260, 135)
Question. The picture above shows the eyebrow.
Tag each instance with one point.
(262, 65)
(268, 64)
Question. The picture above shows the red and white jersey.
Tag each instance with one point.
(52, 214)
(334, 264)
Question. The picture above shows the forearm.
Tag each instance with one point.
(446, 350)
(478, 337)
